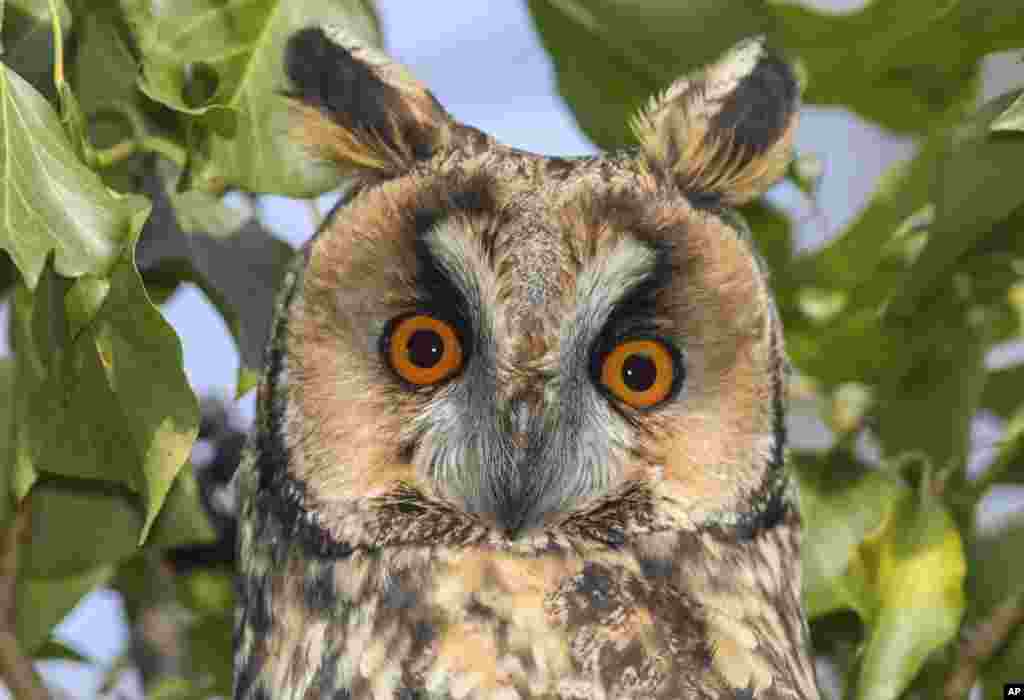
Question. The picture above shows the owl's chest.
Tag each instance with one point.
(480, 624)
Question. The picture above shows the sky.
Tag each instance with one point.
(484, 63)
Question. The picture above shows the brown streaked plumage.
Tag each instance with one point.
(522, 528)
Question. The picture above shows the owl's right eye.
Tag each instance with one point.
(424, 350)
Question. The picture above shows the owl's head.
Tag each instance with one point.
(488, 344)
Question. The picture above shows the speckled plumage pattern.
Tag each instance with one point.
(517, 531)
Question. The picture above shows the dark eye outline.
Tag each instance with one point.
(605, 349)
(386, 346)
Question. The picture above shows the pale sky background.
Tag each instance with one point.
(485, 64)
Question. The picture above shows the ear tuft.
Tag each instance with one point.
(359, 108)
(726, 132)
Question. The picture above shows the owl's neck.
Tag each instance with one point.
(669, 614)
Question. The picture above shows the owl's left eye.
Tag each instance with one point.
(640, 373)
(424, 350)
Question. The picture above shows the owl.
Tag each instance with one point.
(520, 432)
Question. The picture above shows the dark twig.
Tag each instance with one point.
(16, 669)
(987, 638)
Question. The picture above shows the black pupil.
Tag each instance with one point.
(639, 372)
(425, 348)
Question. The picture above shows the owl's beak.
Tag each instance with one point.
(521, 483)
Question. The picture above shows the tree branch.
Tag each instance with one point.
(987, 638)
(16, 669)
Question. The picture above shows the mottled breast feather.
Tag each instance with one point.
(522, 529)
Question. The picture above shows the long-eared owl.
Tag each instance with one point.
(520, 433)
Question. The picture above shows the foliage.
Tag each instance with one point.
(123, 122)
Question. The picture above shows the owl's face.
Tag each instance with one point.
(521, 429)
(517, 339)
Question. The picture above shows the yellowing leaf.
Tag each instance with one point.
(871, 545)
(842, 506)
(920, 583)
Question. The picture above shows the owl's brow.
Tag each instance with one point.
(442, 285)
(639, 302)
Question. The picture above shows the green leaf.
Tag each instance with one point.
(222, 64)
(103, 40)
(905, 64)
(210, 644)
(84, 300)
(119, 115)
(55, 649)
(8, 273)
(928, 406)
(49, 201)
(208, 592)
(26, 40)
(853, 257)
(175, 688)
(992, 274)
(89, 402)
(974, 190)
(71, 116)
(59, 546)
(182, 520)
(1012, 119)
(918, 568)
(42, 603)
(209, 596)
(610, 56)
(1004, 391)
(201, 212)
(146, 361)
(1008, 465)
(853, 347)
(248, 380)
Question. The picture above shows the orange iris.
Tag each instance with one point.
(639, 373)
(424, 350)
